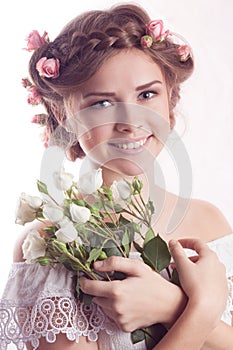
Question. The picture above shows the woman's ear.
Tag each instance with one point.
(74, 152)
(172, 120)
(172, 100)
(59, 113)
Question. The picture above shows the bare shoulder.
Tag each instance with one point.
(17, 251)
(208, 221)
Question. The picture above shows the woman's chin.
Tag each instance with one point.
(124, 167)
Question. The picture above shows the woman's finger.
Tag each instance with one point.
(193, 258)
(131, 267)
(97, 288)
(178, 254)
(104, 303)
(195, 244)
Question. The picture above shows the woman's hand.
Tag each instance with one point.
(203, 277)
(142, 299)
(204, 281)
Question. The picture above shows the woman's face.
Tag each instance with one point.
(124, 111)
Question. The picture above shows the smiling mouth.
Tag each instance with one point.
(130, 145)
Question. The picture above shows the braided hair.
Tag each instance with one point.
(84, 45)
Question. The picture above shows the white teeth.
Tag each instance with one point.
(131, 145)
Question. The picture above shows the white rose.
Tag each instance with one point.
(63, 180)
(33, 201)
(64, 221)
(66, 233)
(120, 190)
(26, 208)
(79, 214)
(90, 182)
(53, 213)
(33, 246)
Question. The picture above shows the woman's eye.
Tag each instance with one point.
(101, 104)
(146, 95)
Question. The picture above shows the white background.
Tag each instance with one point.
(205, 111)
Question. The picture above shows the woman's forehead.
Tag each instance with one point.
(124, 67)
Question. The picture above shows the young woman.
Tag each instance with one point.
(110, 82)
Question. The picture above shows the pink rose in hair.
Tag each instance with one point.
(48, 67)
(34, 40)
(26, 83)
(156, 31)
(40, 119)
(184, 53)
(146, 41)
(45, 138)
(34, 98)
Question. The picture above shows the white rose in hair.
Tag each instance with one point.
(33, 246)
(79, 214)
(90, 182)
(66, 233)
(63, 180)
(53, 213)
(26, 208)
(120, 190)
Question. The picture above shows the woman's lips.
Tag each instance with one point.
(130, 145)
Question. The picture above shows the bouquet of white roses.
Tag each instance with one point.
(93, 222)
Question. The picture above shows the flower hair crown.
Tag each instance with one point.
(50, 67)
(47, 68)
(155, 33)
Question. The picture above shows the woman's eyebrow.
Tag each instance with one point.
(141, 87)
(145, 86)
(99, 94)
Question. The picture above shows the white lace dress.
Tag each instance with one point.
(39, 302)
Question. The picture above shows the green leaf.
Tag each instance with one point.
(136, 227)
(126, 242)
(87, 299)
(77, 291)
(42, 187)
(137, 336)
(63, 259)
(148, 236)
(80, 202)
(123, 221)
(150, 206)
(67, 202)
(156, 254)
(154, 334)
(112, 251)
(71, 266)
(94, 210)
(117, 208)
(175, 278)
(95, 253)
(137, 247)
(118, 275)
(44, 260)
(106, 191)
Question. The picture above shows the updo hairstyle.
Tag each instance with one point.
(83, 46)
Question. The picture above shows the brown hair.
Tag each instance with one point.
(82, 47)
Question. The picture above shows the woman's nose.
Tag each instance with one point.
(126, 118)
(125, 128)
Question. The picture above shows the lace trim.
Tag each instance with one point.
(49, 317)
(227, 315)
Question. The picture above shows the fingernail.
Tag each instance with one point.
(98, 264)
(172, 243)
